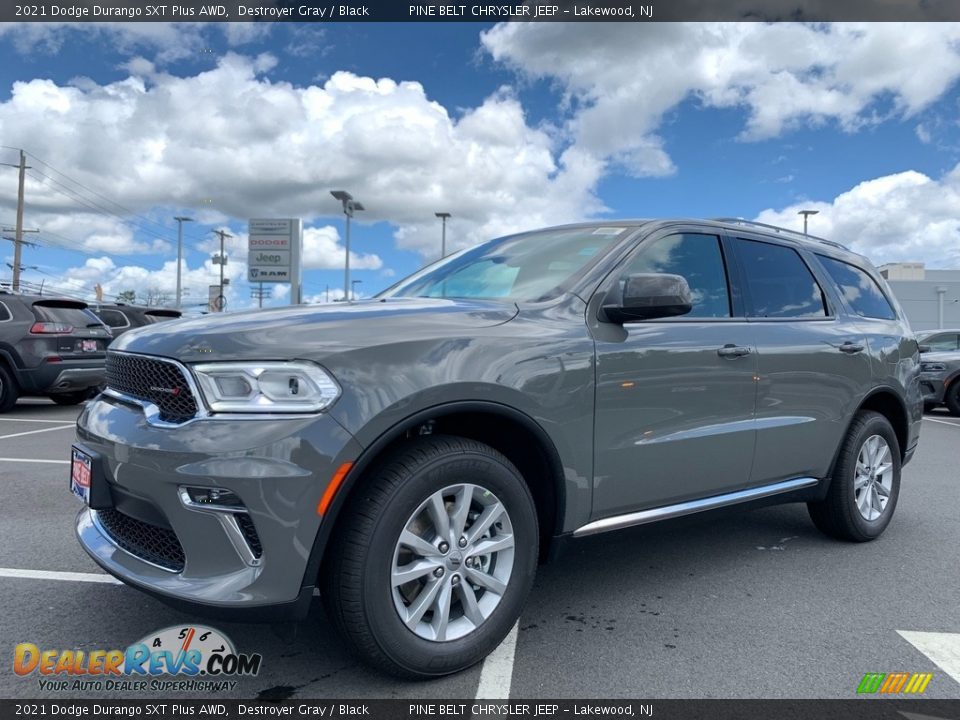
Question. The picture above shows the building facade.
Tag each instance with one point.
(931, 298)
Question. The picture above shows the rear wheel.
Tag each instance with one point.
(952, 397)
(9, 392)
(866, 482)
(434, 558)
(70, 398)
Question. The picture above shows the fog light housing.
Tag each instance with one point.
(211, 498)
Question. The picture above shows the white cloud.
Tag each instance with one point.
(896, 218)
(621, 80)
(268, 148)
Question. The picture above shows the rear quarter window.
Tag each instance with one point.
(5, 313)
(113, 318)
(861, 292)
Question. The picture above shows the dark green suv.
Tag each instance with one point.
(416, 455)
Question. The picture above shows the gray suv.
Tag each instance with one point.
(414, 456)
(49, 346)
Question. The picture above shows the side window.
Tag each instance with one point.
(780, 283)
(860, 290)
(5, 313)
(699, 260)
(113, 318)
(942, 342)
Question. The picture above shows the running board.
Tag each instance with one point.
(694, 506)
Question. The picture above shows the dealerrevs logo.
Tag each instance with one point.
(192, 651)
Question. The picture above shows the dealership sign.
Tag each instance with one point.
(273, 252)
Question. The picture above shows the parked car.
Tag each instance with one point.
(49, 346)
(120, 317)
(415, 455)
(940, 368)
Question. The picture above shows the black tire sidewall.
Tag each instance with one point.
(875, 425)
(402, 646)
(952, 397)
(8, 390)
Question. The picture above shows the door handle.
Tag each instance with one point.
(851, 347)
(733, 351)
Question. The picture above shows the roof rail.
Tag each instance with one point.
(775, 228)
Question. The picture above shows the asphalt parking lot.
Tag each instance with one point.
(752, 604)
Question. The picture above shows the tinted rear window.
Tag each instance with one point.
(113, 318)
(153, 316)
(861, 291)
(4, 312)
(780, 283)
(74, 315)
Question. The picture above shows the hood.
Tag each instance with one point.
(313, 331)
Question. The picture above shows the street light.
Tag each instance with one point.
(806, 214)
(443, 237)
(353, 288)
(180, 221)
(349, 206)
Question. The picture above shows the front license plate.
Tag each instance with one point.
(88, 345)
(81, 473)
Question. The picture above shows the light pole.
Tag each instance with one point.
(443, 236)
(353, 288)
(180, 221)
(349, 206)
(806, 214)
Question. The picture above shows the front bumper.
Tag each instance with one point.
(279, 467)
(933, 387)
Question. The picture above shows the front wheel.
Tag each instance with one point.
(866, 482)
(952, 397)
(434, 558)
(9, 392)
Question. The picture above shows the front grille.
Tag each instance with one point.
(156, 545)
(153, 379)
(245, 522)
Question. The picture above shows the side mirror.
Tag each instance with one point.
(647, 296)
(924, 348)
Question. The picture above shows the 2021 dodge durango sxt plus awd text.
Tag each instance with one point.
(415, 455)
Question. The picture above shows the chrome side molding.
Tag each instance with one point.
(666, 512)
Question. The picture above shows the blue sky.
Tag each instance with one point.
(505, 127)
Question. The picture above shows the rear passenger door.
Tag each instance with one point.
(813, 365)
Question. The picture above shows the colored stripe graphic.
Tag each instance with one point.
(871, 682)
(894, 683)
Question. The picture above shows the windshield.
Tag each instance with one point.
(527, 267)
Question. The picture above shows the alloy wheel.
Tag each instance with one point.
(873, 481)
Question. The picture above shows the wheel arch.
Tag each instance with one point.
(504, 428)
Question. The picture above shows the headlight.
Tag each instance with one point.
(277, 387)
(932, 367)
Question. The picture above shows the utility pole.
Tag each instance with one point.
(18, 238)
(221, 260)
(443, 237)
(259, 293)
(180, 221)
(327, 291)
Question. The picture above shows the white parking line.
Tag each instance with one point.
(496, 675)
(35, 460)
(20, 420)
(942, 422)
(53, 575)
(34, 432)
(942, 648)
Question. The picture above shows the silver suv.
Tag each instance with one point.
(416, 455)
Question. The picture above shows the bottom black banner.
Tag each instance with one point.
(867, 709)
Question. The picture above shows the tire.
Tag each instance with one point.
(358, 578)
(9, 391)
(952, 397)
(70, 398)
(855, 508)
